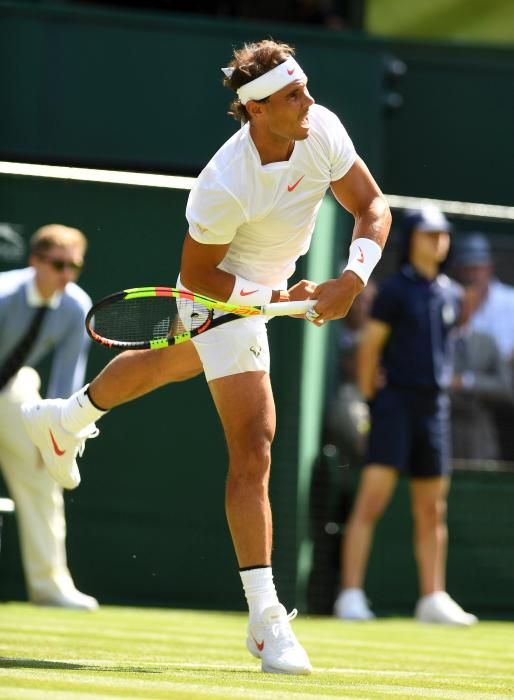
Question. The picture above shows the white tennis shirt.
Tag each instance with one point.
(267, 212)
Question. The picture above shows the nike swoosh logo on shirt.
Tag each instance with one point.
(56, 447)
(244, 293)
(290, 188)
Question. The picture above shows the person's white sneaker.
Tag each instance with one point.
(74, 600)
(274, 642)
(439, 608)
(58, 447)
(351, 604)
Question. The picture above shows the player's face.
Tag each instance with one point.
(56, 267)
(287, 111)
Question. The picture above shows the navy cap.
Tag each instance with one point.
(471, 249)
(428, 218)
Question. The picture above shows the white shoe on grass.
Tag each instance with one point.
(274, 642)
(352, 604)
(439, 608)
(72, 600)
(58, 447)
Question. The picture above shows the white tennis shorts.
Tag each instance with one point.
(238, 346)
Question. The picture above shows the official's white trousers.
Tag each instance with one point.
(38, 498)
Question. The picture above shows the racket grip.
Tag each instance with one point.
(288, 308)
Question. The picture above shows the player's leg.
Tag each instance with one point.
(236, 364)
(375, 489)
(59, 427)
(39, 504)
(137, 372)
(249, 426)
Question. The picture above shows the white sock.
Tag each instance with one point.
(259, 590)
(353, 591)
(78, 412)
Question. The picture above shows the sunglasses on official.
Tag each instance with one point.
(60, 265)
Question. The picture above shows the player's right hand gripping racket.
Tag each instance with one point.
(155, 317)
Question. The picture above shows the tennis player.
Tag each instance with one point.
(251, 214)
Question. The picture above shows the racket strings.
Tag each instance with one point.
(144, 319)
(192, 315)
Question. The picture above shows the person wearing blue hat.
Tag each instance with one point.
(404, 371)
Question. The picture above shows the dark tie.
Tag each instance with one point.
(20, 351)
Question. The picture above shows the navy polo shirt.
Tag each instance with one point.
(420, 313)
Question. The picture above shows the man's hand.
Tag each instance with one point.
(304, 289)
(298, 292)
(335, 297)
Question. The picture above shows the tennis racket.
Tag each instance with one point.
(155, 317)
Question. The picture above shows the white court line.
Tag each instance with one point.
(121, 177)
(117, 177)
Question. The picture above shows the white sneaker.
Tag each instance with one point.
(74, 600)
(274, 642)
(352, 604)
(58, 447)
(440, 609)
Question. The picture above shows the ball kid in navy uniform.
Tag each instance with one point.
(404, 369)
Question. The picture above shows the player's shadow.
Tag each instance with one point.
(6, 662)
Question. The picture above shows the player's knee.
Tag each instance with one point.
(251, 459)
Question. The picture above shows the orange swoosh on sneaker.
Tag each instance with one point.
(259, 645)
(56, 447)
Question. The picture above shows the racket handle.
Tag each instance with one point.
(288, 308)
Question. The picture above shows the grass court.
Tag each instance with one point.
(134, 653)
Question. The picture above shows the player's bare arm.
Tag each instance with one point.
(199, 272)
(199, 269)
(360, 195)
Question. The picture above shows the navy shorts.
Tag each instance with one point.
(410, 430)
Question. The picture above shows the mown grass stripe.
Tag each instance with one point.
(151, 654)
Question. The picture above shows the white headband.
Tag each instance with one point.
(275, 79)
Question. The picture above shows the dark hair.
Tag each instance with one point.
(250, 62)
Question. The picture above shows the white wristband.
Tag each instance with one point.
(363, 256)
(246, 293)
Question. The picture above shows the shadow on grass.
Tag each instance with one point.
(7, 662)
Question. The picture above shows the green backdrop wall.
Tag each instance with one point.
(142, 91)
(147, 524)
(451, 136)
